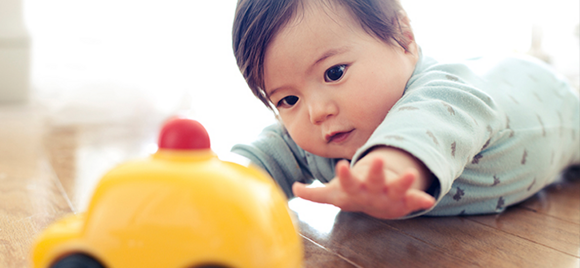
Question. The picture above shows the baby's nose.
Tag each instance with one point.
(320, 109)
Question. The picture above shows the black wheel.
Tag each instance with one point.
(77, 260)
(210, 265)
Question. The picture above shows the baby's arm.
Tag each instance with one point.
(386, 183)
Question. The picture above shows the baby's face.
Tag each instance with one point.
(332, 82)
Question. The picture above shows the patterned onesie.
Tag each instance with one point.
(492, 131)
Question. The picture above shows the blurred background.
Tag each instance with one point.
(108, 61)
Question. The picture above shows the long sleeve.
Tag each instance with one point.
(275, 152)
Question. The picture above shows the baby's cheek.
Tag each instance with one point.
(302, 136)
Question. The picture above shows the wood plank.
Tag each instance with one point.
(26, 209)
(481, 244)
(554, 233)
(316, 256)
(560, 199)
(61, 144)
(365, 241)
(31, 197)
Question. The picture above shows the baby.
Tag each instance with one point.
(391, 132)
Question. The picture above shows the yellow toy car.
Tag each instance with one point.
(182, 207)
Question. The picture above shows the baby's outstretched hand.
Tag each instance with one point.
(370, 188)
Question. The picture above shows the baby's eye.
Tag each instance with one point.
(287, 101)
(334, 73)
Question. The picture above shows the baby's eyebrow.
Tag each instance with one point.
(331, 52)
(327, 54)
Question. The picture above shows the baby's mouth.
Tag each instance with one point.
(338, 137)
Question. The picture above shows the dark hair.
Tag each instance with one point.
(257, 21)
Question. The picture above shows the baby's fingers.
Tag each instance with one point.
(317, 194)
(348, 182)
(399, 187)
(418, 200)
(376, 176)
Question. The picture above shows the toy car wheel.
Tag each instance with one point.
(78, 260)
(210, 266)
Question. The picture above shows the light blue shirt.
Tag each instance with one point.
(492, 131)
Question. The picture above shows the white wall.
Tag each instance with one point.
(113, 60)
(461, 29)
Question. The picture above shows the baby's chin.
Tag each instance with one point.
(334, 154)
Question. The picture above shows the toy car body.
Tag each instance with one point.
(178, 208)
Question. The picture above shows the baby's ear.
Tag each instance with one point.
(407, 37)
(405, 24)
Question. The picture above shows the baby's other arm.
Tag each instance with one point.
(387, 183)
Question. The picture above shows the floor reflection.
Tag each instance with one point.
(320, 217)
(82, 154)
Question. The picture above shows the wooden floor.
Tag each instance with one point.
(48, 171)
